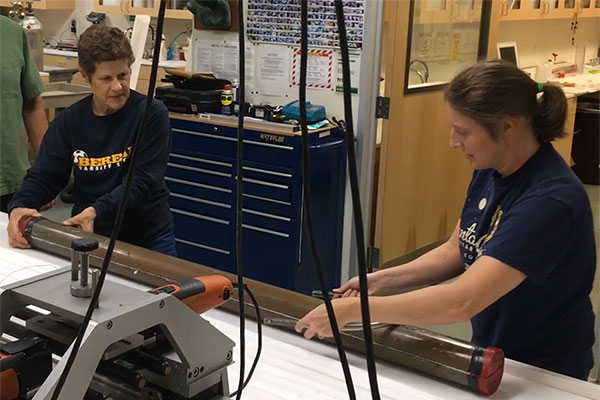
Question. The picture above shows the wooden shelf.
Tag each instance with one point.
(179, 14)
(126, 7)
(46, 4)
(549, 9)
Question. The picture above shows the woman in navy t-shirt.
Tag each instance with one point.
(523, 249)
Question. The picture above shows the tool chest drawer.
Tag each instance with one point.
(200, 191)
(202, 254)
(206, 163)
(276, 262)
(200, 141)
(282, 208)
(273, 224)
(189, 173)
(202, 178)
(210, 208)
(266, 152)
(193, 226)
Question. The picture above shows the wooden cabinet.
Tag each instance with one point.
(65, 62)
(178, 14)
(109, 6)
(72, 62)
(127, 7)
(144, 79)
(141, 7)
(447, 11)
(466, 11)
(588, 8)
(519, 10)
(46, 4)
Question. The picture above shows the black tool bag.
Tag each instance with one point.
(189, 101)
(196, 82)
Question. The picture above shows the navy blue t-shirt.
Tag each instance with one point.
(537, 220)
(97, 150)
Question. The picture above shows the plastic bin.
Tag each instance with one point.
(586, 141)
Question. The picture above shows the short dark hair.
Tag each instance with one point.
(102, 43)
(492, 89)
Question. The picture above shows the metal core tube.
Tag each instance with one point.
(477, 368)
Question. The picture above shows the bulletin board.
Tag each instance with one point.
(279, 22)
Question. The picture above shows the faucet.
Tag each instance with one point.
(422, 70)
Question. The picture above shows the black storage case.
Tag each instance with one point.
(189, 101)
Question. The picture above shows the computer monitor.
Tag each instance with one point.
(507, 51)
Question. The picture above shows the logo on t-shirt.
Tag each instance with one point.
(472, 242)
(85, 163)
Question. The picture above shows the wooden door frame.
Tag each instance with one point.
(394, 67)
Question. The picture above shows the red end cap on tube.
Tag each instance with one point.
(491, 371)
(23, 225)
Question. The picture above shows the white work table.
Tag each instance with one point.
(583, 83)
(294, 368)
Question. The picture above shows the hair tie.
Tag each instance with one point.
(540, 87)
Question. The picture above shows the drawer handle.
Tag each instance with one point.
(266, 215)
(251, 196)
(199, 200)
(267, 231)
(202, 246)
(208, 135)
(267, 172)
(275, 146)
(201, 160)
(263, 183)
(199, 216)
(201, 170)
(200, 185)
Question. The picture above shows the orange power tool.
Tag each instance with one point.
(201, 293)
(24, 365)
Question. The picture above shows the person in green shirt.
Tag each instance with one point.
(22, 115)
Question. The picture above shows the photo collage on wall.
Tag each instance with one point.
(278, 22)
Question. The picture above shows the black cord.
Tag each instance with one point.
(358, 222)
(240, 188)
(307, 198)
(120, 212)
(259, 333)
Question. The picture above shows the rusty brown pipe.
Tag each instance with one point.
(477, 368)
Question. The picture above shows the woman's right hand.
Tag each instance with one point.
(15, 239)
(352, 288)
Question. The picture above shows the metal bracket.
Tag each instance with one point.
(382, 107)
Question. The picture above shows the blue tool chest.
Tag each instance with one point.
(201, 175)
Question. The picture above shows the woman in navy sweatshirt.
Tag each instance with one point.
(93, 138)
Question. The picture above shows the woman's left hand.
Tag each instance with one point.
(317, 324)
(84, 220)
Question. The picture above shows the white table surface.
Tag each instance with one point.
(584, 83)
(294, 368)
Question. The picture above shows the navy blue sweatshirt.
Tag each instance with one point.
(97, 149)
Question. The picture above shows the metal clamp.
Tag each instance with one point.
(80, 250)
